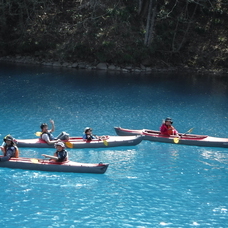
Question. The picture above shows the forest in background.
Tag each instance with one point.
(155, 33)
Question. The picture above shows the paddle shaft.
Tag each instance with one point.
(189, 131)
(103, 139)
(176, 140)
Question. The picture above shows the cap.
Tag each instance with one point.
(60, 144)
(87, 129)
(8, 138)
(43, 125)
(169, 119)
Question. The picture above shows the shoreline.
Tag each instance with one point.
(107, 67)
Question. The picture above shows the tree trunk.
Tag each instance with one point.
(176, 48)
(152, 10)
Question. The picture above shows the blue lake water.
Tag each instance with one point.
(148, 185)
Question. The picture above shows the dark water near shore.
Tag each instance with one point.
(149, 185)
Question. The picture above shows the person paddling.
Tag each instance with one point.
(88, 134)
(61, 155)
(167, 129)
(9, 149)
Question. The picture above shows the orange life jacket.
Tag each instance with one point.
(170, 130)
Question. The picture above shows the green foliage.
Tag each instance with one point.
(200, 30)
(114, 31)
(121, 13)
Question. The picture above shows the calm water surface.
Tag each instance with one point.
(148, 185)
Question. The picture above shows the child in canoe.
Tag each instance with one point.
(9, 149)
(88, 134)
(61, 155)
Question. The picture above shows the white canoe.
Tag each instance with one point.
(51, 166)
(78, 142)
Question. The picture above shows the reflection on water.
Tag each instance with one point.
(214, 157)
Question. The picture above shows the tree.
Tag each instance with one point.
(148, 9)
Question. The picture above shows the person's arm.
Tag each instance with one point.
(48, 141)
(84, 136)
(3, 151)
(95, 137)
(52, 125)
(163, 129)
(16, 152)
(2, 147)
(54, 158)
(175, 132)
(66, 158)
(171, 131)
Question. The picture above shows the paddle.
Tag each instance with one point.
(34, 160)
(189, 131)
(176, 140)
(104, 140)
(38, 133)
(69, 144)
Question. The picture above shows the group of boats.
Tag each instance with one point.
(125, 137)
(69, 166)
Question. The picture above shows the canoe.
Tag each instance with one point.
(78, 142)
(186, 139)
(51, 166)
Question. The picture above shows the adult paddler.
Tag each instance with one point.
(167, 129)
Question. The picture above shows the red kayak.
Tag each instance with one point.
(186, 139)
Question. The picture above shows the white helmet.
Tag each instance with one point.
(60, 144)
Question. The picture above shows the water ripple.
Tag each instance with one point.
(149, 185)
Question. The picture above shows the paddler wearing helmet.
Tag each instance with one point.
(88, 134)
(167, 129)
(61, 153)
(9, 149)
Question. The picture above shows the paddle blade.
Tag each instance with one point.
(69, 144)
(105, 142)
(190, 130)
(38, 133)
(176, 140)
(34, 160)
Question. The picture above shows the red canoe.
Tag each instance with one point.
(186, 139)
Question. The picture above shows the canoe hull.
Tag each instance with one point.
(188, 139)
(46, 165)
(79, 143)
